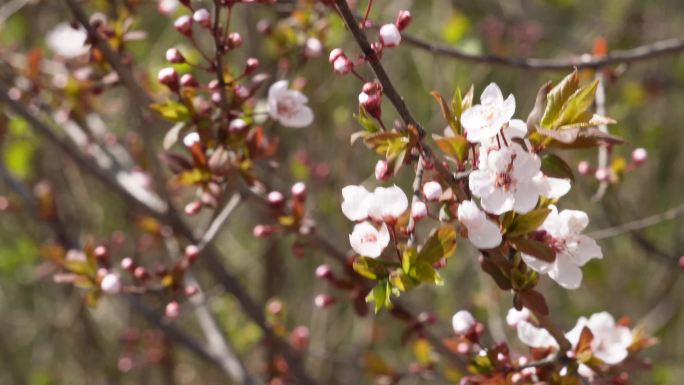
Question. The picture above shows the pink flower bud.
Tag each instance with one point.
(418, 210)
(166, 7)
(261, 231)
(324, 272)
(214, 85)
(183, 25)
(202, 17)
(681, 262)
(432, 190)
(403, 19)
(190, 291)
(372, 103)
(275, 198)
(168, 77)
(299, 337)
(251, 65)
(128, 264)
(313, 48)
(216, 98)
(110, 283)
(237, 126)
(172, 310)
(390, 35)
(193, 208)
(192, 252)
(602, 174)
(191, 139)
(234, 40)
(382, 171)
(299, 190)
(187, 80)
(336, 54)
(342, 65)
(101, 253)
(584, 168)
(323, 301)
(639, 156)
(173, 55)
(463, 322)
(140, 273)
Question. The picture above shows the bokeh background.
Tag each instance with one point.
(48, 336)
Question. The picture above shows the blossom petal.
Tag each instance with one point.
(498, 202)
(367, 241)
(566, 273)
(537, 265)
(492, 95)
(508, 109)
(583, 250)
(302, 118)
(535, 337)
(277, 88)
(355, 203)
(486, 236)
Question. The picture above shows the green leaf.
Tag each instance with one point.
(172, 110)
(369, 267)
(446, 112)
(577, 104)
(424, 272)
(523, 224)
(367, 122)
(440, 244)
(388, 143)
(408, 258)
(380, 295)
(402, 281)
(454, 146)
(557, 97)
(554, 166)
(537, 249)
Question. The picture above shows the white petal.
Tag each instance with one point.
(581, 249)
(481, 183)
(508, 109)
(388, 202)
(526, 197)
(566, 273)
(66, 41)
(516, 129)
(486, 236)
(355, 203)
(514, 316)
(536, 264)
(492, 95)
(498, 202)
(611, 354)
(535, 337)
(574, 334)
(277, 89)
(576, 220)
(302, 118)
(367, 241)
(553, 187)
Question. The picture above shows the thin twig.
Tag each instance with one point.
(645, 52)
(600, 101)
(220, 220)
(639, 224)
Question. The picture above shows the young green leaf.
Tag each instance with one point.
(523, 224)
(554, 166)
(557, 97)
(440, 244)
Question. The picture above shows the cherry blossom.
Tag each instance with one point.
(462, 322)
(387, 203)
(355, 202)
(610, 341)
(484, 121)
(511, 179)
(562, 232)
(67, 41)
(368, 241)
(482, 232)
(110, 283)
(288, 106)
(419, 210)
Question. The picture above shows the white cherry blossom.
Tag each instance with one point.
(514, 316)
(67, 41)
(432, 190)
(511, 179)
(515, 128)
(355, 202)
(484, 121)
(387, 203)
(573, 249)
(462, 321)
(610, 340)
(288, 106)
(482, 232)
(368, 241)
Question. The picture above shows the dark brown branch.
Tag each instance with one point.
(641, 53)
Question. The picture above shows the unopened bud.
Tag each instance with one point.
(418, 210)
(173, 55)
(191, 139)
(275, 198)
(313, 48)
(110, 283)
(335, 54)
(262, 231)
(168, 77)
(237, 126)
(299, 337)
(251, 65)
(681, 262)
(323, 301)
(234, 40)
(192, 252)
(140, 273)
(432, 190)
(324, 272)
(190, 291)
(382, 170)
(183, 25)
(172, 310)
(584, 168)
(372, 103)
(639, 156)
(187, 80)
(128, 264)
(299, 190)
(390, 35)
(403, 19)
(342, 65)
(193, 208)
(101, 253)
(602, 174)
(202, 17)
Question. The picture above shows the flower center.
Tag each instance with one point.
(369, 238)
(286, 106)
